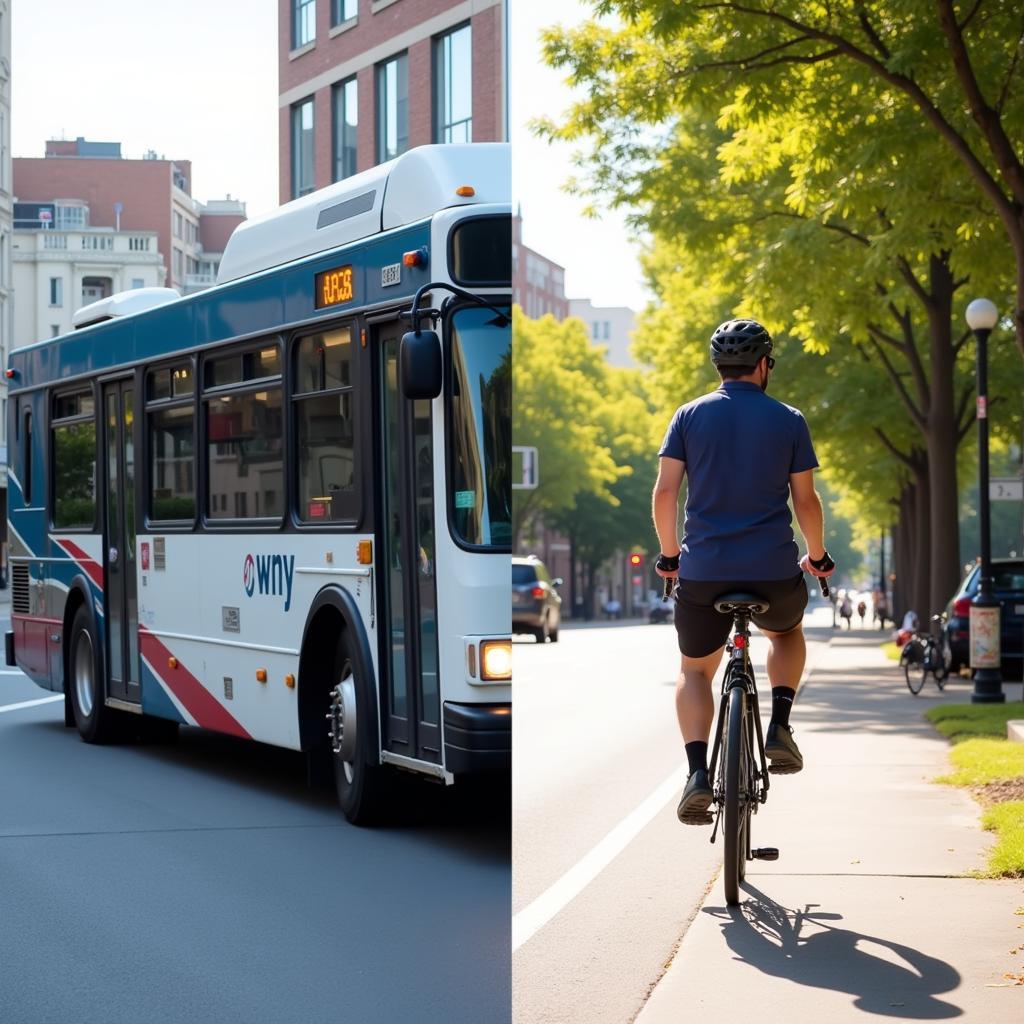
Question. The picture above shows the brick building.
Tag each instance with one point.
(538, 284)
(152, 194)
(361, 81)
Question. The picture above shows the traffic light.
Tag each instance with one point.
(636, 560)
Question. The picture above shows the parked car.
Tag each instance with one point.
(1008, 588)
(536, 605)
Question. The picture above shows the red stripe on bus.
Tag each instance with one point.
(207, 711)
(84, 559)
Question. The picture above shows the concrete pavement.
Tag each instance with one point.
(870, 908)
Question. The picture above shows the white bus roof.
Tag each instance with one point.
(403, 191)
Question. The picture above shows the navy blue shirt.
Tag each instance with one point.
(739, 446)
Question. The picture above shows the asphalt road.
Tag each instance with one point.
(203, 881)
(605, 879)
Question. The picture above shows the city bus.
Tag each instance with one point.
(281, 508)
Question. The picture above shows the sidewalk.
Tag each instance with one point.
(867, 912)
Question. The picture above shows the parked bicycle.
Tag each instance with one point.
(924, 653)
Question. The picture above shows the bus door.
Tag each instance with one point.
(120, 602)
(410, 699)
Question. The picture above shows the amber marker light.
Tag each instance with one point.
(364, 552)
(261, 675)
(465, 191)
(496, 660)
(172, 662)
(289, 681)
(415, 258)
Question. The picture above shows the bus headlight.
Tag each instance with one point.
(496, 660)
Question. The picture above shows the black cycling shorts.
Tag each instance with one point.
(702, 630)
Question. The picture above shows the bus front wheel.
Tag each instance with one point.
(95, 721)
(361, 786)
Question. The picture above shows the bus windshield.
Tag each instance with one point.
(480, 439)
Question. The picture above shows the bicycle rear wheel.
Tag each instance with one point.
(737, 808)
(915, 669)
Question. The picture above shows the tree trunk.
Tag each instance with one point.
(942, 444)
(921, 519)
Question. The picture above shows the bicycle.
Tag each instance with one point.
(742, 786)
(921, 654)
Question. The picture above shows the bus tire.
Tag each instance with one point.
(362, 787)
(96, 722)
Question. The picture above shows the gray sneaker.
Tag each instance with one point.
(781, 749)
(693, 808)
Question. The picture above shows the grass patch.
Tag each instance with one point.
(982, 759)
(961, 721)
(891, 651)
(1007, 821)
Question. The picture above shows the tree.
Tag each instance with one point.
(955, 67)
(557, 382)
(770, 189)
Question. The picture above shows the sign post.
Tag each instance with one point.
(528, 474)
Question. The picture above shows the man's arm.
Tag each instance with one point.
(807, 508)
(665, 504)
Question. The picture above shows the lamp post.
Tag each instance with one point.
(982, 316)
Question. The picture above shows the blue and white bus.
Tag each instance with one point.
(257, 510)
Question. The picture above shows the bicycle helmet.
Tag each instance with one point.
(739, 343)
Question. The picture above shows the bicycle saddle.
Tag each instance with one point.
(728, 603)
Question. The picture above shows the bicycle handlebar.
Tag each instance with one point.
(672, 581)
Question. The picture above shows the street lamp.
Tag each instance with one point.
(982, 316)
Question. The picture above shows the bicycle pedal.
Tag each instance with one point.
(765, 853)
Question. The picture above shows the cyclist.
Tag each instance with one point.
(743, 455)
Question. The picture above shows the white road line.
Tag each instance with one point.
(30, 703)
(556, 897)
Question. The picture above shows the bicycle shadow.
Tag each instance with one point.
(766, 935)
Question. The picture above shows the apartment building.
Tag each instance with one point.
(62, 262)
(538, 284)
(361, 81)
(151, 194)
(610, 326)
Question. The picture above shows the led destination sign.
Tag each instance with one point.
(334, 286)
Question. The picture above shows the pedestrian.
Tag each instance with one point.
(846, 610)
(862, 610)
(743, 454)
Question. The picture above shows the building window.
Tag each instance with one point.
(303, 178)
(453, 86)
(392, 108)
(56, 291)
(138, 282)
(607, 330)
(343, 10)
(178, 221)
(344, 97)
(303, 22)
(54, 330)
(178, 263)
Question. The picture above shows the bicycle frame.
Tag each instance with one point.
(738, 672)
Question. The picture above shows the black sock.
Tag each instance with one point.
(782, 703)
(697, 755)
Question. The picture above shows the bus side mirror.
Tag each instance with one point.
(421, 364)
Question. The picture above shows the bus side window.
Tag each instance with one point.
(26, 459)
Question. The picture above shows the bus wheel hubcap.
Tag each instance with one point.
(341, 718)
(83, 673)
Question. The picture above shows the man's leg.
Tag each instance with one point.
(786, 657)
(695, 709)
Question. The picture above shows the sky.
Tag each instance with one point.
(193, 80)
(201, 84)
(599, 256)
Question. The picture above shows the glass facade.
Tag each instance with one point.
(303, 149)
(453, 86)
(392, 108)
(345, 96)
